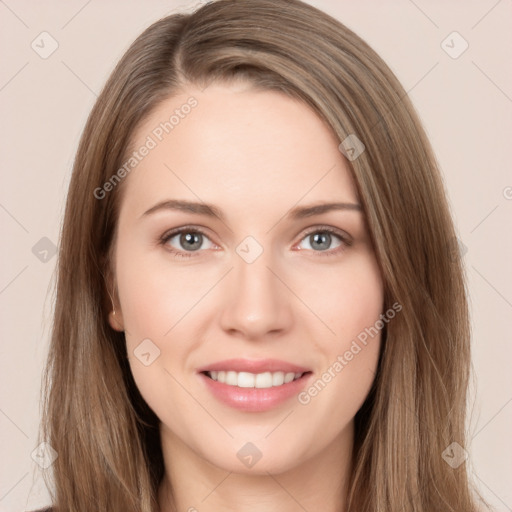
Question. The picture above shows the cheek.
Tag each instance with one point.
(156, 294)
(336, 395)
(157, 311)
(350, 301)
(161, 321)
(348, 298)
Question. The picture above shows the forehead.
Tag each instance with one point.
(234, 145)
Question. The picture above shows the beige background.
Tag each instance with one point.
(465, 104)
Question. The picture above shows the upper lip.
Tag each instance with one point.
(254, 366)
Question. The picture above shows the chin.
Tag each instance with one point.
(256, 458)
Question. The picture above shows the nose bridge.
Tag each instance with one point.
(255, 304)
(255, 280)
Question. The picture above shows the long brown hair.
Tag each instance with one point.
(106, 437)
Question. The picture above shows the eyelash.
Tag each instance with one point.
(345, 240)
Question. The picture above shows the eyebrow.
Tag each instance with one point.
(210, 210)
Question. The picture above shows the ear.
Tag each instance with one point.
(115, 319)
(115, 315)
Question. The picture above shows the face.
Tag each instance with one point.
(242, 255)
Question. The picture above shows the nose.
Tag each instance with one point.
(256, 302)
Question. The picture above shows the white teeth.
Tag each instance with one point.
(263, 380)
(278, 379)
(231, 378)
(245, 380)
(289, 377)
(252, 380)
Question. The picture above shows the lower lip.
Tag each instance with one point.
(255, 399)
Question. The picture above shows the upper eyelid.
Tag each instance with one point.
(319, 228)
(340, 233)
(170, 233)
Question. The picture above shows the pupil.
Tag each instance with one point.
(320, 240)
(191, 241)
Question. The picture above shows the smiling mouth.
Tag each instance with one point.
(254, 380)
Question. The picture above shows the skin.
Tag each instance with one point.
(255, 155)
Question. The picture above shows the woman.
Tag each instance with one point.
(258, 303)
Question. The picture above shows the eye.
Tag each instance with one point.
(186, 240)
(324, 240)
